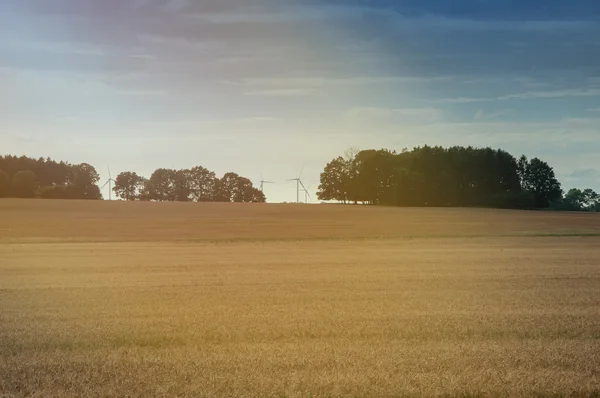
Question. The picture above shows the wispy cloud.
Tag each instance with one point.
(585, 173)
(529, 95)
(141, 93)
(553, 94)
(283, 92)
(487, 115)
(378, 116)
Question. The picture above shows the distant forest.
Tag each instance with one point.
(23, 177)
(456, 176)
(424, 176)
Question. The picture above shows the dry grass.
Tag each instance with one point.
(121, 299)
(57, 221)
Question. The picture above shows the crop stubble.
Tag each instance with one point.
(146, 299)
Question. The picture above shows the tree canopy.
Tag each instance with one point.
(25, 177)
(5, 185)
(188, 185)
(129, 185)
(579, 200)
(437, 176)
(24, 184)
(45, 178)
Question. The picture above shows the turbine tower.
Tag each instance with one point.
(263, 182)
(307, 195)
(298, 185)
(109, 183)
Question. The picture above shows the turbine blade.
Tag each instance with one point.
(303, 187)
(105, 184)
(301, 171)
(109, 175)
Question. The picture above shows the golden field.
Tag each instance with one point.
(157, 300)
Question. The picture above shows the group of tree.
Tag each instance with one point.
(578, 200)
(455, 176)
(189, 185)
(23, 177)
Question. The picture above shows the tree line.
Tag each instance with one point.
(455, 176)
(197, 184)
(425, 176)
(23, 177)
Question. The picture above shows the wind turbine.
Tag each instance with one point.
(263, 182)
(307, 195)
(298, 185)
(109, 183)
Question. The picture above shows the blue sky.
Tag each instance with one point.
(274, 86)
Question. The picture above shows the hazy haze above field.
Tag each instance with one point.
(251, 86)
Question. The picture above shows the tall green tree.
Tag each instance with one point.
(129, 185)
(234, 188)
(148, 192)
(374, 179)
(335, 181)
(163, 185)
(24, 184)
(247, 193)
(538, 178)
(202, 184)
(578, 200)
(227, 188)
(256, 196)
(84, 182)
(4, 184)
(590, 200)
(182, 186)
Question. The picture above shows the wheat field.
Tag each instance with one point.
(103, 299)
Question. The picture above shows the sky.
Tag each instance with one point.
(279, 87)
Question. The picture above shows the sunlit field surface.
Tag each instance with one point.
(157, 300)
